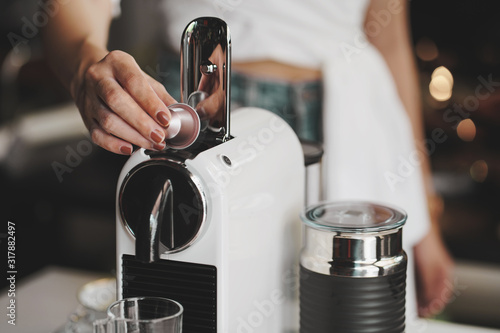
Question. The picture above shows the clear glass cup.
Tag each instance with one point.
(142, 315)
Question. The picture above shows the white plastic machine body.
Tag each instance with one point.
(253, 187)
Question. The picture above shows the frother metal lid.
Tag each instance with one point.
(353, 216)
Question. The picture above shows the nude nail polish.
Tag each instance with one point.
(157, 136)
(125, 150)
(163, 118)
(159, 146)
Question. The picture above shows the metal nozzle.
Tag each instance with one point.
(147, 243)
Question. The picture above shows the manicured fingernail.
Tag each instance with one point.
(159, 146)
(157, 136)
(126, 150)
(162, 118)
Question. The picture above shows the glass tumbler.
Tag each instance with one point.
(142, 315)
(352, 269)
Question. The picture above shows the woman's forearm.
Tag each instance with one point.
(394, 43)
(76, 36)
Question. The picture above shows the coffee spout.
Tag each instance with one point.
(147, 242)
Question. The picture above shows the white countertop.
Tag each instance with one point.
(431, 326)
(45, 300)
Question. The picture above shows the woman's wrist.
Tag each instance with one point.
(88, 54)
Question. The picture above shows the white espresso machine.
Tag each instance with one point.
(214, 224)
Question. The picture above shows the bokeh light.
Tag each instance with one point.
(444, 72)
(441, 85)
(479, 171)
(466, 130)
(426, 49)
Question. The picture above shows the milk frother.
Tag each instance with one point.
(352, 269)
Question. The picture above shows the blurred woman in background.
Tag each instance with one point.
(340, 72)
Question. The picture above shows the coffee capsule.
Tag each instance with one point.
(184, 126)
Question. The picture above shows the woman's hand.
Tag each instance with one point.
(434, 266)
(121, 105)
(434, 272)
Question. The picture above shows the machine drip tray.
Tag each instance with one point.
(192, 285)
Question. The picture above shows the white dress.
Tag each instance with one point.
(369, 147)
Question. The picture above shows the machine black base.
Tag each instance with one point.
(192, 285)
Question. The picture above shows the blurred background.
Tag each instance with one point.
(59, 189)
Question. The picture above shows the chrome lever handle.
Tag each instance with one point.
(206, 71)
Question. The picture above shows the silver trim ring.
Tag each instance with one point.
(198, 188)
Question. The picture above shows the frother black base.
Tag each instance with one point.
(333, 304)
